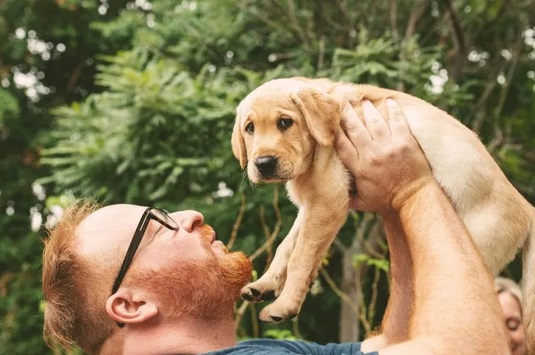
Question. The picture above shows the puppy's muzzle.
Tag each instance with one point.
(266, 166)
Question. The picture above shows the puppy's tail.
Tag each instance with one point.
(528, 289)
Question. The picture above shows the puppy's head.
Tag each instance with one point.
(279, 125)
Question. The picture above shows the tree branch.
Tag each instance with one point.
(417, 12)
(270, 236)
(459, 43)
(237, 223)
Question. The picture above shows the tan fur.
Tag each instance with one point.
(497, 216)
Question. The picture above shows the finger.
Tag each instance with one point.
(347, 152)
(354, 129)
(396, 119)
(359, 204)
(355, 203)
(398, 124)
(374, 121)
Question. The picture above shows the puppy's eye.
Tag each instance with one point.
(284, 123)
(249, 128)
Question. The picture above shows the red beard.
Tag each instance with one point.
(204, 288)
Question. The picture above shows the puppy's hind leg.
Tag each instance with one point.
(269, 286)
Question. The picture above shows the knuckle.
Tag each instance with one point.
(349, 126)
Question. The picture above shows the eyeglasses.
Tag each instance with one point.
(162, 217)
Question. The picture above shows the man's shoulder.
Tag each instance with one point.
(289, 347)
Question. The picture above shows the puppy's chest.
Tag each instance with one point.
(300, 193)
(330, 186)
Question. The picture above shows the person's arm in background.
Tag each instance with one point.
(452, 306)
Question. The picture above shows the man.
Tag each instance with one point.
(175, 289)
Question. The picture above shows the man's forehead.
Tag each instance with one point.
(107, 228)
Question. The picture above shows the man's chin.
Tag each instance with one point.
(203, 288)
(237, 268)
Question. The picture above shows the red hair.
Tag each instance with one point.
(73, 288)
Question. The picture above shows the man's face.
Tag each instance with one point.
(188, 270)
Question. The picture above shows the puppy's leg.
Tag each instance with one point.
(321, 224)
(270, 285)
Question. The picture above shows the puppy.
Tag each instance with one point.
(285, 131)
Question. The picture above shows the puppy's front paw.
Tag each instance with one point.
(255, 293)
(266, 288)
(277, 312)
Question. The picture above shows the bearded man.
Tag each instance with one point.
(185, 275)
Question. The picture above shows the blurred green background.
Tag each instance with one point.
(133, 101)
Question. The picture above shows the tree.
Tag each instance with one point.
(47, 55)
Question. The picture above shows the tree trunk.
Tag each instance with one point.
(349, 317)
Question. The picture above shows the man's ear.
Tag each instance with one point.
(237, 141)
(321, 112)
(128, 308)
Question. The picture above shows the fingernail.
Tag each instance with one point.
(391, 103)
(367, 106)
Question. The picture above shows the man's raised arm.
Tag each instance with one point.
(451, 306)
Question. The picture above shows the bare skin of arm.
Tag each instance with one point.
(442, 298)
(395, 325)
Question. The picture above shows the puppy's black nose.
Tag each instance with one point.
(266, 165)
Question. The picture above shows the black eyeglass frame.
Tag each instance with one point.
(136, 240)
(141, 228)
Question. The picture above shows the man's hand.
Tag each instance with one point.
(383, 156)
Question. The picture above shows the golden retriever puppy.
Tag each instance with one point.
(285, 130)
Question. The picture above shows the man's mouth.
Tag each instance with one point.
(219, 245)
(209, 236)
(207, 233)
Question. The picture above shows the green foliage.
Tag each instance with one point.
(380, 264)
(281, 334)
(134, 102)
(124, 135)
(9, 108)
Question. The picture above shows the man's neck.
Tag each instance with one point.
(182, 336)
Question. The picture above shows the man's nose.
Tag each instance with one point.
(188, 220)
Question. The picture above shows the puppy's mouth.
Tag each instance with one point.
(269, 168)
(273, 179)
(259, 178)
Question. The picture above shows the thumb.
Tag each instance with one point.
(359, 204)
(346, 151)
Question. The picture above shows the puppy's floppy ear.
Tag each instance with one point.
(237, 141)
(321, 112)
